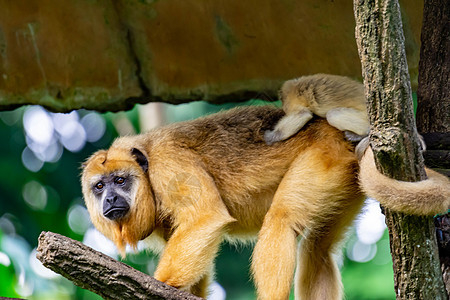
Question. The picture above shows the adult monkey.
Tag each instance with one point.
(188, 186)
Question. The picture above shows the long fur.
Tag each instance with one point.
(215, 178)
(426, 197)
(339, 99)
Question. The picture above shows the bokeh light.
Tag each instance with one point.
(217, 292)
(370, 227)
(35, 195)
(360, 252)
(7, 224)
(94, 239)
(30, 161)
(38, 268)
(38, 125)
(71, 133)
(47, 134)
(78, 219)
(94, 125)
(4, 259)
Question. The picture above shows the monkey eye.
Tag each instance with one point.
(99, 186)
(119, 180)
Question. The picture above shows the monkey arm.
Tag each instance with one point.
(199, 218)
(289, 125)
(426, 197)
(190, 252)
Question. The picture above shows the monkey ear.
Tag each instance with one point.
(140, 159)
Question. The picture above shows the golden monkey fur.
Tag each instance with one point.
(193, 184)
(339, 99)
(426, 197)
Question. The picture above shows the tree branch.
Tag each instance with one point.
(394, 141)
(99, 273)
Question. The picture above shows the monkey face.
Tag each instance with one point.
(113, 190)
(118, 195)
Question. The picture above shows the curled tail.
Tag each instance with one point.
(426, 197)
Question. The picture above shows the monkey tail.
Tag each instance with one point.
(426, 197)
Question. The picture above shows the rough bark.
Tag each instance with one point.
(99, 273)
(433, 94)
(433, 112)
(394, 141)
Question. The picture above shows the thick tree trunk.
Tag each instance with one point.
(433, 93)
(100, 273)
(433, 112)
(394, 141)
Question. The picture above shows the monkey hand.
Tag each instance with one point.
(353, 137)
(272, 136)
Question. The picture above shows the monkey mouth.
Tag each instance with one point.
(115, 213)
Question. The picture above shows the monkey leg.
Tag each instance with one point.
(317, 275)
(349, 119)
(287, 126)
(273, 259)
(313, 194)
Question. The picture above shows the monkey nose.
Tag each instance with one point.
(111, 200)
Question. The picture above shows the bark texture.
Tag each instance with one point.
(433, 112)
(433, 94)
(394, 141)
(99, 273)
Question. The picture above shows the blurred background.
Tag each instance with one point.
(40, 191)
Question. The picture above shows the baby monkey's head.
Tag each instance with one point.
(118, 196)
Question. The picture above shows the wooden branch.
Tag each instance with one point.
(394, 141)
(99, 273)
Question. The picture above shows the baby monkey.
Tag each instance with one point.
(339, 99)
